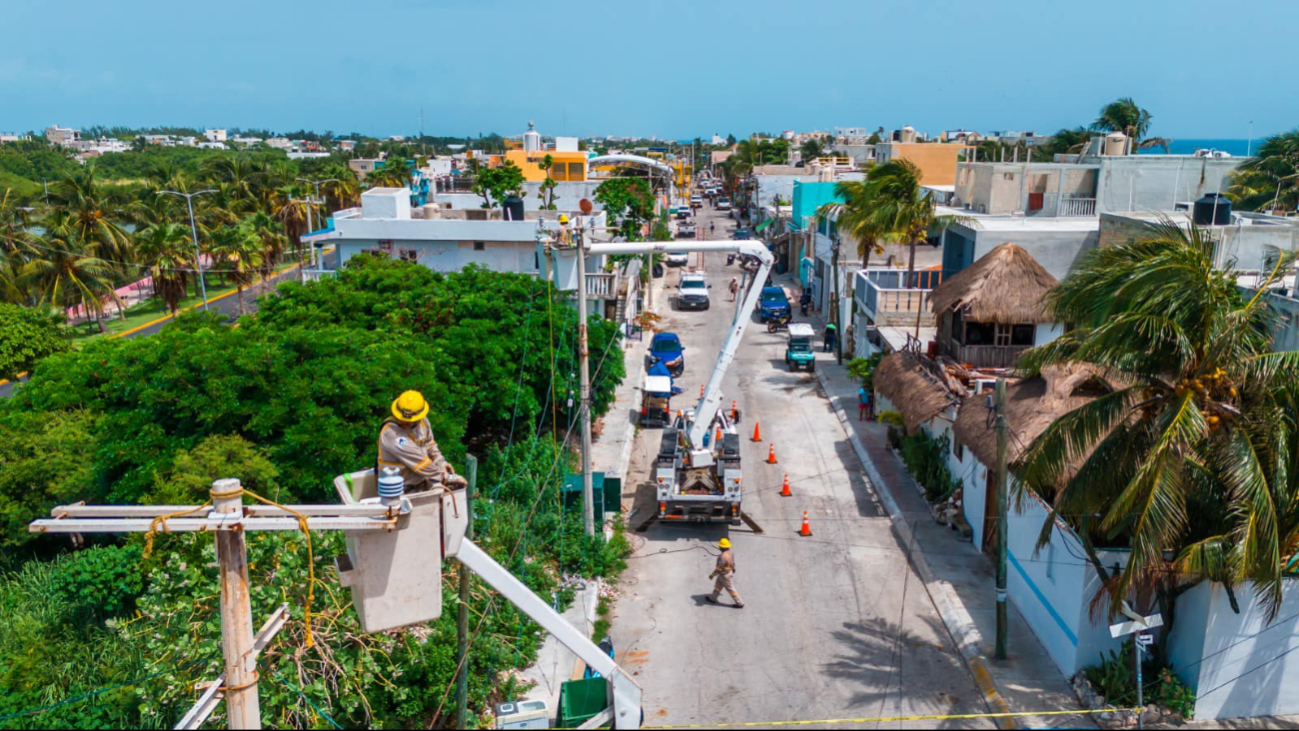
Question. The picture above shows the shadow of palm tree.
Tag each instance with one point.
(885, 659)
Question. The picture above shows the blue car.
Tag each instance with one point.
(773, 303)
(667, 349)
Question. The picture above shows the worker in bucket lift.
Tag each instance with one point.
(723, 573)
(406, 441)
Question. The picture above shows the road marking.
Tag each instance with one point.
(892, 719)
(210, 300)
(19, 377)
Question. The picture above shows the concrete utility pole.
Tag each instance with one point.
(193, 232)
(462, 616)
(584, 357)
(243, 706)
(1003, 445)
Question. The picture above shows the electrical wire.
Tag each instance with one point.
(101, 691)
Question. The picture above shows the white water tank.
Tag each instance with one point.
(1116, 143)
(531, 139)
(908, 134)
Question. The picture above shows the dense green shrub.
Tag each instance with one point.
(27, 336)
(926, 459)
(1114, 677)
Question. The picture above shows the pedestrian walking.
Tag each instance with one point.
(734, 286)
(723, 573)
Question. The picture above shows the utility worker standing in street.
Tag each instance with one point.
(734, 287)
(723, 573)
(406, 441)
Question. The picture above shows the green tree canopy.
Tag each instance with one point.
(628, 203)
(28, 335)
(498, 183)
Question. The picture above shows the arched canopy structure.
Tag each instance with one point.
(625, 159)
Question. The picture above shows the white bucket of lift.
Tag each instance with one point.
(396, 576)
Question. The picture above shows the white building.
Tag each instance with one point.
(214, 135)
(449, 240)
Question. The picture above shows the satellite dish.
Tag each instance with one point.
(586, 206)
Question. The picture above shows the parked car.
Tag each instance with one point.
(686, 229)
(677, 259)
(723, 204)
(773, 303)
(743, 234)
(667, 347)
(683, 213)
(696, 201)
(692, 293)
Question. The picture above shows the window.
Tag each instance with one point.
(1002, 336)
(1008, 176)
(978, 333)
(1021, 335)
(385, 247)
(480, 246)
(408, 255)
(576, 171)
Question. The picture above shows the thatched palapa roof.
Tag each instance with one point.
(1032, 405)
(917, 394)
(1007, 287)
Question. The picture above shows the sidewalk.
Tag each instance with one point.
(960, 580)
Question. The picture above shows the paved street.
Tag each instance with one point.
(835, 624)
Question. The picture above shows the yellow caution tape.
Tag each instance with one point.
(890, 719)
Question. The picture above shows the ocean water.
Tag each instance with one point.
(1236, 148)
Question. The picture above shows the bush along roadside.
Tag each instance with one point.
(1111, 684)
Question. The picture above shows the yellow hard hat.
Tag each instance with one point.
(410, 406)
(724, 543)
(563, 218)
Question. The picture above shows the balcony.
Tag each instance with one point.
(882, 295)
(1050, 204)
(985, 356)
(602, 284)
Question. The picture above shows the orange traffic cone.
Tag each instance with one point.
(757, 435)
(784, 489)
(806, 530)
(771, 454)
(718, 439)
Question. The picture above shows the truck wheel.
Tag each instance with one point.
(811, 366)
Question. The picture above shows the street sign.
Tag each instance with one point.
(1136, 625)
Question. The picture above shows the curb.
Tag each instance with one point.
(210, 300)
(955, 617)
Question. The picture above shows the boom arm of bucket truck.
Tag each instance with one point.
(711, 401)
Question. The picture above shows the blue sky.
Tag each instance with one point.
(677, 69)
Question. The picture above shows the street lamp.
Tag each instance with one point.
(193, 232)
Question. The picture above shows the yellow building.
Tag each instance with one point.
(567, 166)
(936, 160)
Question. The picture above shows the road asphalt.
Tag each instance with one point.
(836, 625)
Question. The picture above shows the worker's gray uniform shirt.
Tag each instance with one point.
(412, 448)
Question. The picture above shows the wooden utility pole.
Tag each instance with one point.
(1003, 446)
(243, 707)
(462, 616)
(584, 357)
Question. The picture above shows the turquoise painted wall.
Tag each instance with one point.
(808, 197)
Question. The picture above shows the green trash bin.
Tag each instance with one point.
(572, 492)
(581, 700)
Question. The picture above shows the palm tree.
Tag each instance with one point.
(901, 209)
(855, 217)
(1191, 460)
(344, 191)
(1270, 179)
(165, 249)
(393, 174)
(240, 174)
(96, 214)
(63, 271)
(271, 233)
(239, 250)
(1124, 115)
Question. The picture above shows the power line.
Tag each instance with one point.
(101, 691)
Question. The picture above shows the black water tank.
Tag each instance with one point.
(513, 208)
(1213, 209)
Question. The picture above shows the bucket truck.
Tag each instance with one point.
(697, 475)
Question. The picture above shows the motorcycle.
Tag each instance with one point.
(804, 304)
(779, 322)
(730, 259)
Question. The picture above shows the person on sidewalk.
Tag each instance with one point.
(864, 411)
(831, 337)
(723, 573)
(734, 286)
(406, 441)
